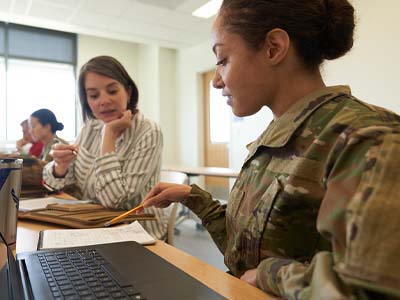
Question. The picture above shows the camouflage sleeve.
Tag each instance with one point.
(344, 274)
(211, 213)
(371, 260)
(298, 281)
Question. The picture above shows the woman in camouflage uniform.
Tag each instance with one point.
(290, 207)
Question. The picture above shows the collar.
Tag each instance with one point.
(280, 130)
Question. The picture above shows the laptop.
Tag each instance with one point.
(124, 270)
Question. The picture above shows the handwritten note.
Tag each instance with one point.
(85, 237)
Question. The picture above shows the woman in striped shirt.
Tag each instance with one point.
(116, 158)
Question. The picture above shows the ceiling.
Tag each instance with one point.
(167, 23)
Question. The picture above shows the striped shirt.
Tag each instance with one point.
(118, 179)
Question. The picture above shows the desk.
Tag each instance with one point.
(205, 171)
(224, 284)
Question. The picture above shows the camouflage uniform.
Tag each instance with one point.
(306, 165)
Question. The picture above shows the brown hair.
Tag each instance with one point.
(109, 67)
(318, 29)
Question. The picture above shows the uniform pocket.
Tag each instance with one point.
(251, 239)
(290, 229)
(264, 207)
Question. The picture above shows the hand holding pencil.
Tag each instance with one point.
(161, 195)
(63, 156)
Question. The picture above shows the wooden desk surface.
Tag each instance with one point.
(228, 286)
(206, 171)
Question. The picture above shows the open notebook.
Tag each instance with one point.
(54, 238)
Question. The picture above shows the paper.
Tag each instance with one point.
(41, 203)
(84, 237)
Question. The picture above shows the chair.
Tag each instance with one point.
(173, 177)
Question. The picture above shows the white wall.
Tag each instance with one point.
(372, 67)
(158, 93)
(192, 62)
(125, 52)
(147, 81)
(168, 103)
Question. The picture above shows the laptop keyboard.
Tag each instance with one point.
(84, 274)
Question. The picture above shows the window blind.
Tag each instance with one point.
(41, 44)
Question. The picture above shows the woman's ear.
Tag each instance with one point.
(276, 45)
(48, 128)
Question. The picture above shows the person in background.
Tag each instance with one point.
(118, 149)
(43, 126)
(306, 217)
(27, 145)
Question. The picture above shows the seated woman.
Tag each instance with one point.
(43, 125)
(311, 214)
(27, 145)
(116, 158)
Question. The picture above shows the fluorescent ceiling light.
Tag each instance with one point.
(208, 10)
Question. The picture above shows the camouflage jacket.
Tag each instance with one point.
(307, 165)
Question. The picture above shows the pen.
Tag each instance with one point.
(58, 141)
(120, 217)
(49, 188)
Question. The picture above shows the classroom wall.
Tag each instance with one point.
(125, 52)
(371, 68)
(191, 63)
(158, 89)
(168, 103)
(147, 80)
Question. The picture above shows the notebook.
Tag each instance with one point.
(62, 238)
(125, 270)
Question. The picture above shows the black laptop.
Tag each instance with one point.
(124, 270)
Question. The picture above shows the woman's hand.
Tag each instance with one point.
(250, 276)
(113, 130)
(21, 143)
(63, 156)
(163, 194)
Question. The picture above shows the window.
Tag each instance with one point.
(220, 117)
(40, 85)
(3, 114)
(37, 70)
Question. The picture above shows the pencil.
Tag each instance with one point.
(122, 216)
